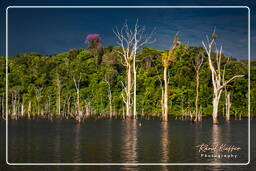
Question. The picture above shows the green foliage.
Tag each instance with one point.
(30, 72)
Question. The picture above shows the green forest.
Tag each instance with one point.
(91, 81)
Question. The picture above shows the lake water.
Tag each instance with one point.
(125, 141)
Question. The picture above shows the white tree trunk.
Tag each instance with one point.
(79, 112)
(216, 100)
(165, 116)
(218, 79)
(228, 106)
(29, 109)
(22, 110)
(131, 40)
(129, 88)
(197, 94)
(134, 87)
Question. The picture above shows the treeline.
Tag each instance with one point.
(85, 82)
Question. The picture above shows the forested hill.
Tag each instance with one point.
(39, 83)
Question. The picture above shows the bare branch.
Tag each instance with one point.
(234, 77)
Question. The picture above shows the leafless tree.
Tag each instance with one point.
(77, 86)
(131, 40)
(58, 84)
(197, 63)
(218, 80)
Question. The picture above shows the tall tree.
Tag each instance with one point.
(131, 40)
(167, 58)
(218, 80)
(197, 63)
(58, 84)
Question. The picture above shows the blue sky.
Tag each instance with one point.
(51, 31)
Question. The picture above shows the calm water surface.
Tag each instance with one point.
(124, 141)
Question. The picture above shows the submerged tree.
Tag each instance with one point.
(228, 104)
(131, 40)
(58, 84)
(218, 80)
(167, 58)
(197, 63)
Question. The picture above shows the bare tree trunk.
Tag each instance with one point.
(215, 103)
(130, 42)
(134, 89)
(165, 113)
(58, 93)
(87, 109)
(14, 105)
(79, 112)
(134, 80)
(162, 100)
(22, 110)
(167, 58)
(29, 109)
(228, 105)
(77, 86)
(197, 62)
(218, 77)
(38, 97)
(197, 94)
(129, 87)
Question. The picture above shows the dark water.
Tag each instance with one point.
(124, 141)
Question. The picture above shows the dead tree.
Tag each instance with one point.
(131, 40)
(38, 92)
(218, 82)
(167, 58)
(58, 84)
(228, 105)
(77, 86)
(197, 63)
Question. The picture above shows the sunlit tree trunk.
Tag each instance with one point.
(165, 113)
(167, 58)
(197, 62)
(131, 40)
(134, 86)
(228, 105)
(129, 87)
(162, 100)
(215, 103)
(29, 109)
(218, 79)
(197, 94)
